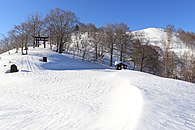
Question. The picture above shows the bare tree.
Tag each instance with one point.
(92, 35)
(169, 57)
(21, 34)
(61, 23)
(187, 67)
(123, 39)
(187, 37)
(145, 57)
(35, 25)
(110, 30)
(101, 43)
(5, 44)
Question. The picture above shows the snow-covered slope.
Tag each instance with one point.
(156, 35)
(68, 94)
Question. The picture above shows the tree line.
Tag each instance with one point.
(107, 43)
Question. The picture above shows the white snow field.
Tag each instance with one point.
(68, 94)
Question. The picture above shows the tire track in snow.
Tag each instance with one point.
(28, 63)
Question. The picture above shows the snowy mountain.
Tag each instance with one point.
(156, 35)
(68, 94)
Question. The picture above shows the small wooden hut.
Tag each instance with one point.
(119, 65)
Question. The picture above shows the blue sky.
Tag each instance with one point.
(138, 14)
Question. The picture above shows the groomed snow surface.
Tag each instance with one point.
(68, 94)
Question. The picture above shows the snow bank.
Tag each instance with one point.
(123, 107)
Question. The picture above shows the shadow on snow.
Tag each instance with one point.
(63, 62)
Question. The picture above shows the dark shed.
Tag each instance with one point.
(13, 68)
(119, 65)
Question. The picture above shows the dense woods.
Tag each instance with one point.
(110, 42)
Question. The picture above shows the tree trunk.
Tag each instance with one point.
(96, 52)
(121, 53)
(33, 42)
(57, 40)
(142, 61)
(61, 48)
(22, 47)
(84, 53)
(50, 39)
(26, 45)
(111, 53)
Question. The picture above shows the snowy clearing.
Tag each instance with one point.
(68, 94)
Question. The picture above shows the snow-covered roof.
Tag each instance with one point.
(119, 62)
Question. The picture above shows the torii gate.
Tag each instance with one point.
(39, 38)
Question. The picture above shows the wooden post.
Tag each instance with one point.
(44, 43)
(38, 43)
(44, 59)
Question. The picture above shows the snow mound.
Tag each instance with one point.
(123, 107)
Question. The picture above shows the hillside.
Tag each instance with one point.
(156, 35)
(69, 94)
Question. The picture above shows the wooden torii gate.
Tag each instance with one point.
(39, 38)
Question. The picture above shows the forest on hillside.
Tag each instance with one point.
(111, 41)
